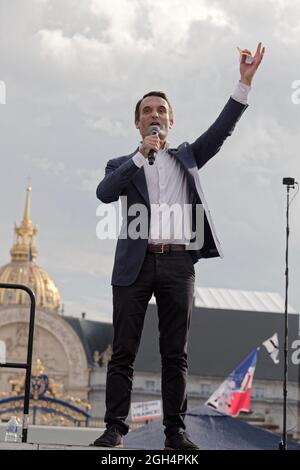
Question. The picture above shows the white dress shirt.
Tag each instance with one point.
(168, 188)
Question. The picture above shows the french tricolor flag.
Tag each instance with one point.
(234, 393)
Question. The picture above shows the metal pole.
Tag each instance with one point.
(28, 364)
(283, 442)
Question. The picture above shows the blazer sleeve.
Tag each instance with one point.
(209, 143)
(117, 176)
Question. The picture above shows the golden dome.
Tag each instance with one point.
(23, 270)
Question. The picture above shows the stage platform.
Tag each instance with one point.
(27, 446)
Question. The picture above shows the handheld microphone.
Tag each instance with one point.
(153, 130)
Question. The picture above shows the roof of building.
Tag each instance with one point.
(219, 340)
(94, 335)
(235, 299)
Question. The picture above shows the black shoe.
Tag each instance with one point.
(179, 441)
(110, 438)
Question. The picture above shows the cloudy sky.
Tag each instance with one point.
(73, 71)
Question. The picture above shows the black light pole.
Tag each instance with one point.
(289, 183)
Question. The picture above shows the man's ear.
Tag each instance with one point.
(171, 123)
(137, 125)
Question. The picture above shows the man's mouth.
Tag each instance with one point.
(154, 123)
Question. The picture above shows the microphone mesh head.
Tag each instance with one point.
(153, 130)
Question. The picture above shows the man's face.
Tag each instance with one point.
(154, 111)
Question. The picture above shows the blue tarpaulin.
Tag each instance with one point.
(210, 430)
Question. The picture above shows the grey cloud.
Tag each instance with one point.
(74, 71)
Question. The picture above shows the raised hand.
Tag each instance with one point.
(248, 69)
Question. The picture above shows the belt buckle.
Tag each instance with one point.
(161, 250)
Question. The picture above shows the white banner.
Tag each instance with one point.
(141, 411)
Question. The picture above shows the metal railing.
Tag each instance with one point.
(28, 364)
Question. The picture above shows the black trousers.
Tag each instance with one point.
(171, 277)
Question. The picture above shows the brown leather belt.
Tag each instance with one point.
(161, 248)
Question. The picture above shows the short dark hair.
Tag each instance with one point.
(160, 94)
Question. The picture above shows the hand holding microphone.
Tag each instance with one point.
(151, 144)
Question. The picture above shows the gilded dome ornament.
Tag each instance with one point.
(23, 268)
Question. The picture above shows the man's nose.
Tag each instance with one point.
(155, 114)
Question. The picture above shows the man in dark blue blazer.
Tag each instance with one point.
(158, 258)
